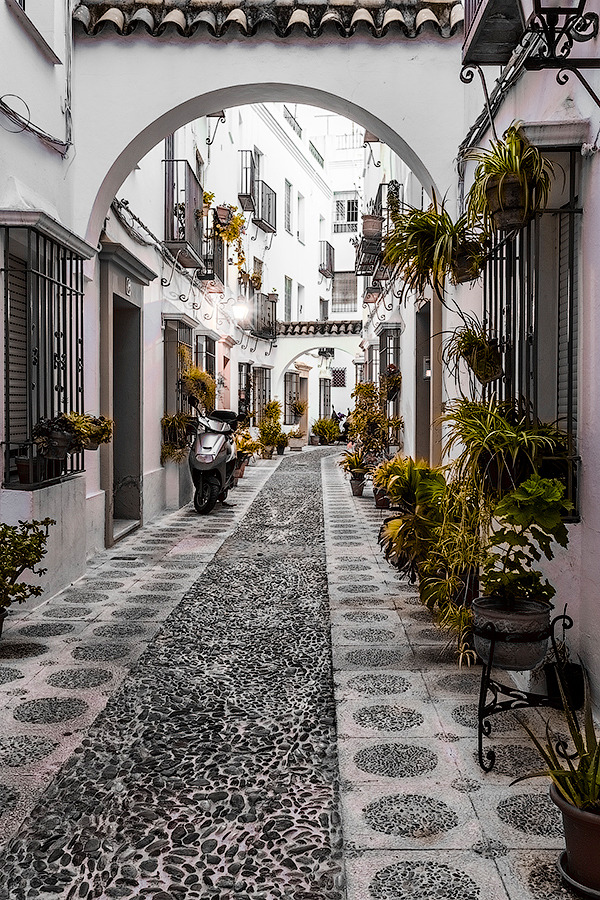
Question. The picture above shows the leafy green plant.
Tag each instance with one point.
(245, 443)
(458, 619)
(498, 443)
(201, 385)
(575, 775)
(327, 430)
(511, 155)
(88, 429)
(471, 343)
(368, 424)
(232, 232)
(353, 460)
(44, 428)
(208, 198)
(526, 522)
(299, 407)
(175, 444)
(425, 246)
(23, 547)
(268, 432)
(272, 410)
(282, 440)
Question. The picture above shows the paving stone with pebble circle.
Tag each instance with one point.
(467, 715)
(86, 596)
(159, 586)
(20, 650)
(50, 709)
(422, 880)
(100, 652)
(379, 683)
(120, 630)
(388, 718)
(7, 674)
(410, 815)
(365, 617)
(67, 612)
(46, 629)
(148, 598)
(361, 601)
(103, 585)
(79, 678)
(375, 657)
(514, 759)
(351, 567)
(133, 612)
(531, 814)
(358, 589)
(244, 659)
(22, 750)
(396, 760)
(463, 683)
(545, 884)
(370, 635)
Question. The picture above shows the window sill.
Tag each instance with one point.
(33, 33)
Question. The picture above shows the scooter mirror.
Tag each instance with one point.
(193, 401)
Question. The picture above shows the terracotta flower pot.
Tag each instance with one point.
(582, 838)
(521, 633)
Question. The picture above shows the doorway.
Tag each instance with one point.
(422, 381)
(127, 461)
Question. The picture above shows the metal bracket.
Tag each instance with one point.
(371, 157)
(467, 73)
(166, 282)
(210, 140)
(562, 77)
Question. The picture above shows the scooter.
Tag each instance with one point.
(212, 457)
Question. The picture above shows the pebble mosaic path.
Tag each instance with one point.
(420, 819)
(169, 722)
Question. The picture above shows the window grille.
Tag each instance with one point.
(372, 369)
(262, 390)
(244, 388)
(338, 378)
(291, 393)
(344, 292)
(389, 355)
(287, 214)
(43, 332)
(177, 357)
(324, 398)
(345, 211)
(360, 372)
(205, 354)
(287, 299)
(531, 309)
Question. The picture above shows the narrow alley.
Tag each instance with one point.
(170, 723)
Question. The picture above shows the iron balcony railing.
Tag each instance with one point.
(327, 259)
(183, 212)
(292, 121)
(265, 215)
(316, 153)
(213, 257)
(264, 320)
(247, 193)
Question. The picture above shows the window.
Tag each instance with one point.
(372, 371)
(344, 292)
(244, 388)
(205, 354)
(338, 378)
(262, 390)
(360, 373)
(177, 356)
(324, 398)
(531, 308)
(323, 309)
(44, 346)
(345, 211)
(287, 299)
(300, 219)
(199, 167)
(389, 355)
(291, 393)
(287, 209)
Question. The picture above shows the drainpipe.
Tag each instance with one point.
(435, 381)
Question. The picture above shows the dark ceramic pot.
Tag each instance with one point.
(521, 633)
(582, 838)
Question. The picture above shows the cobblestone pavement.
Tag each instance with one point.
(421, 821)
(168, 729)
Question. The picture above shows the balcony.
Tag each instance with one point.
(327, 259)
(292, 121)
(493, 28)
(183, 213)
(265, 213)
(247, 193)
(264, 320)
(213, 257)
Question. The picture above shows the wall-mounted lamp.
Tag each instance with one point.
(560, 25)
(240, 311)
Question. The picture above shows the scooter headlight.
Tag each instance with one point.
(205, 457)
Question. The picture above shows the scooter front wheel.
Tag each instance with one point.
(205, 497)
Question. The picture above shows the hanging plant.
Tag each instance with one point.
(471, 343)
(175, 444)
(511, 182)
(231, 231)
(425, 246)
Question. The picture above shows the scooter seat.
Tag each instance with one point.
(223, 415)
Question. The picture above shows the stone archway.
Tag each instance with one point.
(406, 94)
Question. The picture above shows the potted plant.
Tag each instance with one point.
(89, 431)
(425, 246)
(516, 602)
(230, 226)
(391, 381)
(281, 442)
(471, 343)
(372, 225)
(299, 407)
(53, 437)
(175, 444)
(207, 201)
(23, 547)
(195, 382)
(368, 424)
(574, 772)
(327, 430)
(354, 463)
(511, 182)
(269, 428)
(296, 439)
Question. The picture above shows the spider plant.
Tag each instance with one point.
(426, 245)
(471, 342)
(511, 157)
